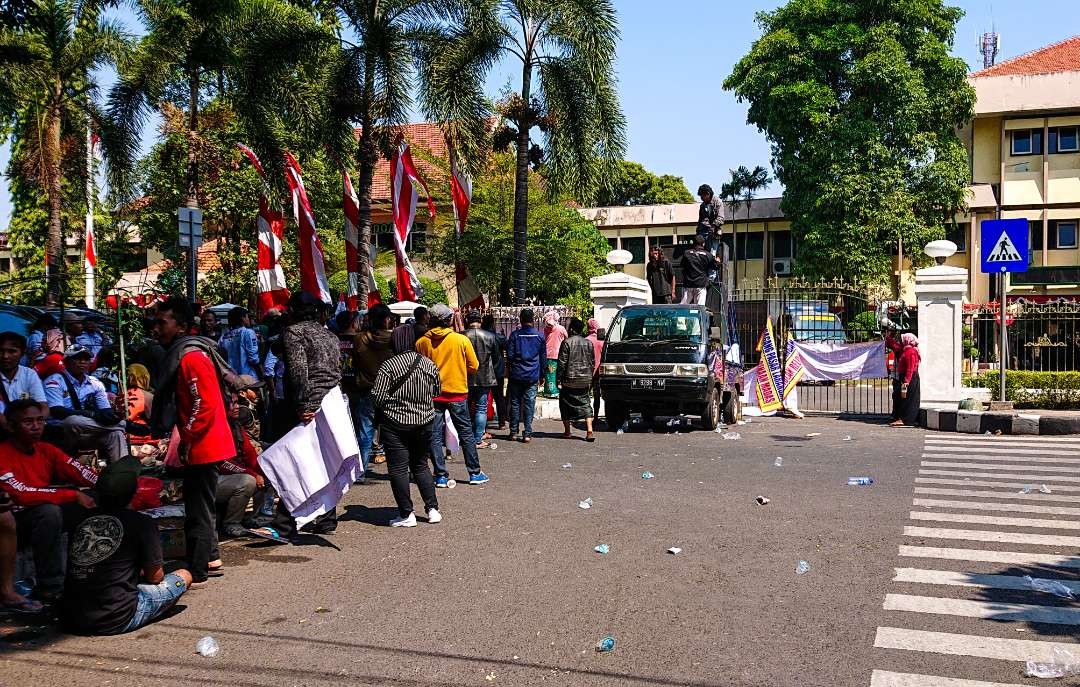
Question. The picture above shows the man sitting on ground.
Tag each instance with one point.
(115, 580)
(80, 409)
(28, 469)
(16, 381)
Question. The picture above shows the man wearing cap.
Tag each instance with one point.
(92, 338)
(115, 581)
(455, 358)
(80, 410)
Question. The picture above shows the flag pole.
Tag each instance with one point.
(88, 237)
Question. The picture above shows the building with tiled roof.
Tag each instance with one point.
(1024, 151)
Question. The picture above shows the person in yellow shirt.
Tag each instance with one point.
(453, 354)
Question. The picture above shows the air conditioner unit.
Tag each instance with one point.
(781, 267)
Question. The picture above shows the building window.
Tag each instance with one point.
(1027, 142)
(636, 246)
(752, 246)
(1067, 140)
(957, 233)
(662, 240)
(5, 265)
(1066, 234)
(781, 244)
(1035, 242)
(613, 243)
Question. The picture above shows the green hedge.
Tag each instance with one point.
(1047, 390)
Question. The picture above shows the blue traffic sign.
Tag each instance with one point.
(1004, 245)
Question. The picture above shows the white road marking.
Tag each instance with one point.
(1011, 507)
(885, 678)
(1065, 470)
(1034, 496)
(988, 536)
(978, 555)
(964, 454)
(1001, 475)
(983, 610)
(994, 520)
(1002, 485)
(1003, 439)
(969, 645)
(954, 578)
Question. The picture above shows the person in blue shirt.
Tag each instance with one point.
(92, 338)
(525, 351)
(242, 344)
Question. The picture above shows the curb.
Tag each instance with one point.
(980, 422)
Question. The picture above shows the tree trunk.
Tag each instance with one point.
(192, 199)
(521, 186)
(367, 160)
(54, 245)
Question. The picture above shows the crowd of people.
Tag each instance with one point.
(203, 402)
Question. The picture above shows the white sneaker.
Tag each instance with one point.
(404, 522)
(434, 516)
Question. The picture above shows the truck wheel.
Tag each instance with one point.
(710, 415)
(732, 408)
(615, 414)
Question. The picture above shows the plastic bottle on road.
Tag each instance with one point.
(208, 647)
(802, 568)
(860, 481)
(606, 645)
(647, 475)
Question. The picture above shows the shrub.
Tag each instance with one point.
(1046, 390)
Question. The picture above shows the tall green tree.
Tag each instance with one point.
(635, 185)
(48, 59)
(862, 102)
(566, 50)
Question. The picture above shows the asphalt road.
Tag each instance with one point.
(508, 591)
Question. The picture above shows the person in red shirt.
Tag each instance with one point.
(28, 468)
(906, 393)
(190, 397)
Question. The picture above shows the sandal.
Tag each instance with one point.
(269, 534)
(24, 607)
(483, 445)
(526, 440)
(590, 437)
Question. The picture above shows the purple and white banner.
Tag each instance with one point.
(825, 362)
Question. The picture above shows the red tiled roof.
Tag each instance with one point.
(209, 260)
(1059, 57)
(425, 137)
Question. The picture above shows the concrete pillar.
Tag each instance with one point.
(612, 292)
(940, 292)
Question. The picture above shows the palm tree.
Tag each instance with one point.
(48, 60)
(742, 190)
(427, 45)
(569, 47)
(730, 193)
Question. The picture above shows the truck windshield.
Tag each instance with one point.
(669, 324)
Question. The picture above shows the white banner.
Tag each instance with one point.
(825, 362)
(315, 464)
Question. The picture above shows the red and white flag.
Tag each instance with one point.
(271, 233)
(404, 178)
(352, 238)
(91, 252)
(312, 263)
(469, 297)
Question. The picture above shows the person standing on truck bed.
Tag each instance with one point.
(696, 265)
(660, 276)
(710, 225)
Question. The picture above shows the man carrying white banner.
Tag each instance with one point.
(313, 465)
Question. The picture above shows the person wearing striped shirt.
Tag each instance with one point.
(404, 392)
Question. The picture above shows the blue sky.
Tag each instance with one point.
(675, 54)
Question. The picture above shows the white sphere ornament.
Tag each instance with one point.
(619, 258)
(940, 251)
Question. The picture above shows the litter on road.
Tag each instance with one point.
(586, 504)
(813, 434)
(1064, 664)
(647, 475)
(208, 647)
(567, 466)
(802, 568)
(674, 550)
(1049, 587)
(761, 500)
(606, 645)
(732, 436)
(601, 548)
(779, 462)
(860, 481)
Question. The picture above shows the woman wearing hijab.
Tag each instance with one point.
(598, 348)
(554, 335)
(906, 397)
(575, 374)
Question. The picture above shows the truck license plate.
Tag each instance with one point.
(657, 384)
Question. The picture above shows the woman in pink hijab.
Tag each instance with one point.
(554, 335)
(598, 348)
(906, 396)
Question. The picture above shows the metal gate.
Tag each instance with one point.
(819, 312)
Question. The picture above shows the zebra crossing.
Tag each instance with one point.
(989, 513)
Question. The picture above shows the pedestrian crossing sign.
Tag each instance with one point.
(1004, 245)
